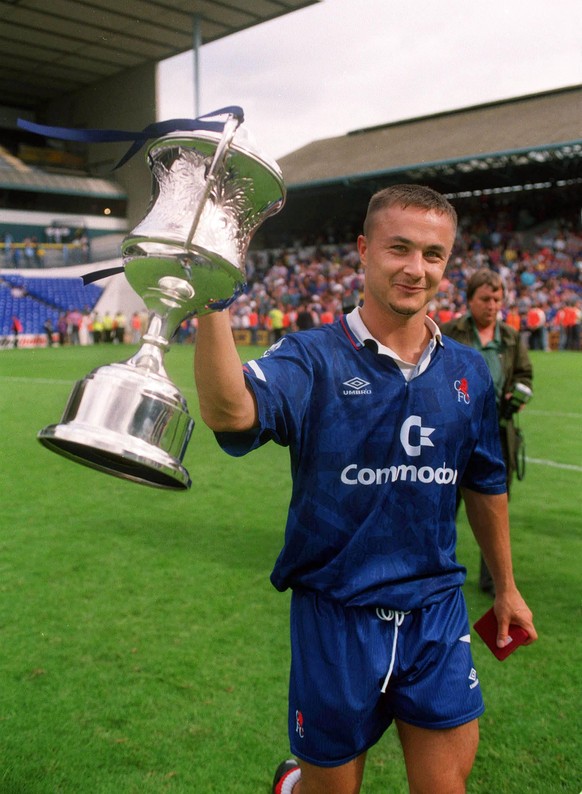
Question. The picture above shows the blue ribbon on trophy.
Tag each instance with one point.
(207, 121)
(155, 130)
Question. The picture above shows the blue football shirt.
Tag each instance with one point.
(376, 461)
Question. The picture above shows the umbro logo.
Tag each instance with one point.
(473, 678)
(356, 383)
(356, 386)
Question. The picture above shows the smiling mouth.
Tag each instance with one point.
(411, 287)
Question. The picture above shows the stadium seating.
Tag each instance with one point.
(34, 300)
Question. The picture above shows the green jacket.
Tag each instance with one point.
(516, 366)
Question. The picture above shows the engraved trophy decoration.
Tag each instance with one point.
(211, 191)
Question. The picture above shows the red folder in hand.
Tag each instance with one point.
(486, 627)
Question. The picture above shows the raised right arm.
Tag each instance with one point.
(226, 403)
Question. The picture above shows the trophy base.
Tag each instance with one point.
(126, 421)
(115, 454)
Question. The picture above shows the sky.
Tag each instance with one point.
(342, 65)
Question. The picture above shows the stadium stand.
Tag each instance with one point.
(512, 169)
(35, 300)
(65, 294)
(30, 312)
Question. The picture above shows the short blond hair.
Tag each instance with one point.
(408, 196)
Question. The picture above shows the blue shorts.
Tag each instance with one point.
(342, 658)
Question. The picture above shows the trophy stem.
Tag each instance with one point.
(154, 343)
(157, 331)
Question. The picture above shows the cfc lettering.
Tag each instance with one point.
(299, 729)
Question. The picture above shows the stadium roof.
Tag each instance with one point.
(49, 48)
(17, 175)
(541, 132)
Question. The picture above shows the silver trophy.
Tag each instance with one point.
(186, 257)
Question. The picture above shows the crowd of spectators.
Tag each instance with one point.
(30, 252)
(305, 285)
(301, 286)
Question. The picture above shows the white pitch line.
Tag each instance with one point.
(58, 382)
(554, 465)
(536, 412)
(23, 379)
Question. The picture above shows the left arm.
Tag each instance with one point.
(489, 519)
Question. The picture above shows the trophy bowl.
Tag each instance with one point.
(210, 192)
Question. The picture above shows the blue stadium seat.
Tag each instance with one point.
(44, 298)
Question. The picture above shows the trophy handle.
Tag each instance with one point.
(222, 149)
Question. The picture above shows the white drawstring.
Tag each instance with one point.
(398, 618)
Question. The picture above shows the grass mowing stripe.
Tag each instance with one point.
(192, 390)
(28, 379)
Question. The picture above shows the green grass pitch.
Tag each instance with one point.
(143, 649)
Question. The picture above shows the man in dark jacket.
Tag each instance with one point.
(507, 359)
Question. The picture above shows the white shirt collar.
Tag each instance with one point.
(359, 330)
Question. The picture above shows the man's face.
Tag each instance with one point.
(405, 254)
(485, 305)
